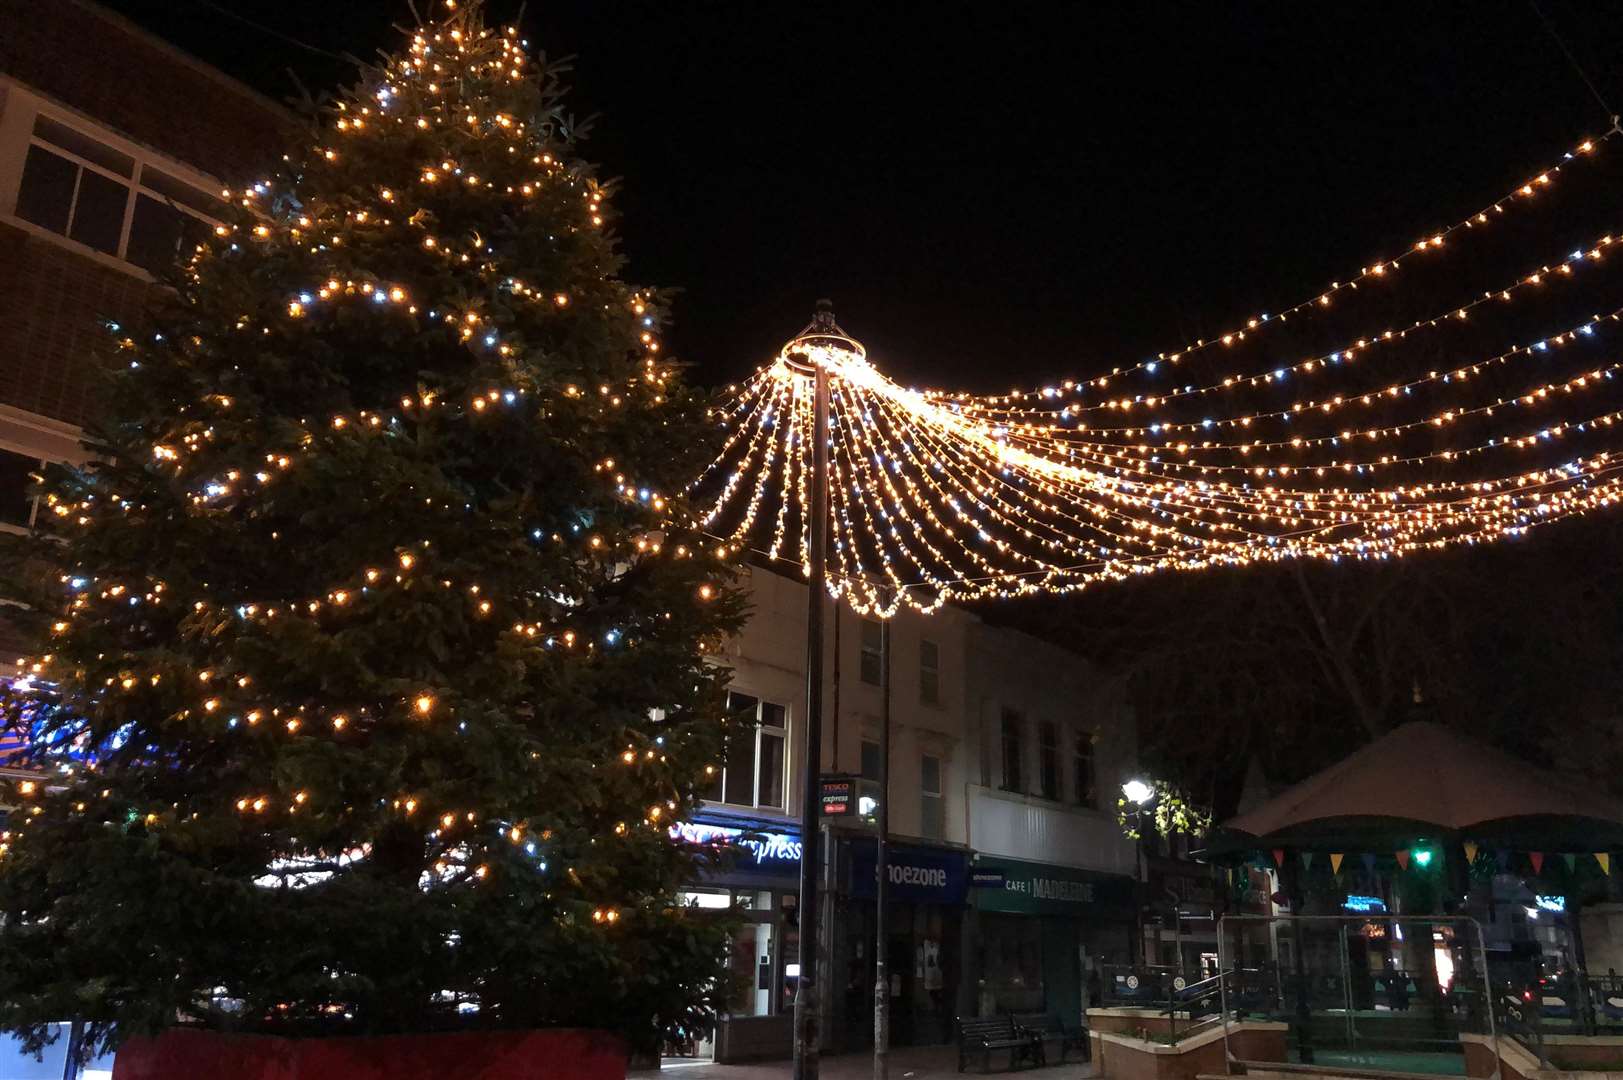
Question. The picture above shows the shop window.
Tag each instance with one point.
(1085, 775)
(77, 186)
(1011, 964)
(873, 644)
(929, 673)
(1013, 750)
(932, 808)
(754, 763)
(709, 899)
(1048, 760)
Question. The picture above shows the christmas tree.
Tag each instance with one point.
(375, 647)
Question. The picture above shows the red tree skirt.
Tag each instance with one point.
(562, 1054)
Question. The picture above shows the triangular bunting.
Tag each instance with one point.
(1307, 860)
(1335, 862)
(1605, 860)
(1279, 857)
(1369, 862)
(1470, 852)
(1503, 859)
(1403, 858)
(1537, 859)
(1571, 861)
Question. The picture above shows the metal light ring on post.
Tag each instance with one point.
(819, 342)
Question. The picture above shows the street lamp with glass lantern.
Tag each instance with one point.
(1141, 795)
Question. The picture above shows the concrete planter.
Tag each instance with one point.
(1126, 1057)
(562, 1054)
(1576, 1057)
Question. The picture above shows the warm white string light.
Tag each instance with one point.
(932, 502)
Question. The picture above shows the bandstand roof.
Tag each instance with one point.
(1426, 781)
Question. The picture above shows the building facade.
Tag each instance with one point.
(113, 150)
(1055, 895)
(1010, 880)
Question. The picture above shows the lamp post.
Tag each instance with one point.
(1140, 795)
(809, 354)
(881, 988)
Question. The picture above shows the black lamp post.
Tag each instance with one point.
(809, 354)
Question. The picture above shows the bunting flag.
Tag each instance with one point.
(1335, 862)
(1279, 857)
(1403, 858)
(1307, 860)
(1605, 860)
(1470, 852)
(1537, 859)
(1369, 862)
(1503, 859)
(1571, 861)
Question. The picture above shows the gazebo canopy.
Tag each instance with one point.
(1423, 781)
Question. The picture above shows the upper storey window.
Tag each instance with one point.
(81, 187)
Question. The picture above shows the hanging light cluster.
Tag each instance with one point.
(940, 496)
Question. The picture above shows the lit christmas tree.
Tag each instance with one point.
(374, 657)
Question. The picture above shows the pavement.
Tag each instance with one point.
(906, 1063)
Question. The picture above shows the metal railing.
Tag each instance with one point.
(1134, 984)
(1517, 1014)
(1351, 988)
(1164, 992)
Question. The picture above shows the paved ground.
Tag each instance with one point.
(909, 1063)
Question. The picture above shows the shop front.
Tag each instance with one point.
(1041, 931)
(924, 942)
(761, 888)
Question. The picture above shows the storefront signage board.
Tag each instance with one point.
(1042, 889)
(917, 875)
(769, 851)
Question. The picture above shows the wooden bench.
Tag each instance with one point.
(1048, 1027)
(983, 1034)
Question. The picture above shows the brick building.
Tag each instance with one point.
(113, 149)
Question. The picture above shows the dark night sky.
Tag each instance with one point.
(1000, 194)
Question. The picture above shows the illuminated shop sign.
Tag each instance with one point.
(1363, 904)
(761, 848)
(921, 875)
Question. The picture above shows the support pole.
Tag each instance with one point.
(881, 984)
(807, 1026)
(70, 1061)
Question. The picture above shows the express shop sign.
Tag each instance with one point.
(766, 850)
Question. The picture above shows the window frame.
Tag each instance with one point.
(1049, 778)
(34, 500)
(50, 442)
(1012, 737)
(929, 673)
(938, 796)
(871, 653)
(21, 108)
(1085, 797)
(862, 758)
(759, 732)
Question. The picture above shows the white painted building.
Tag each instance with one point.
(1005, 756)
